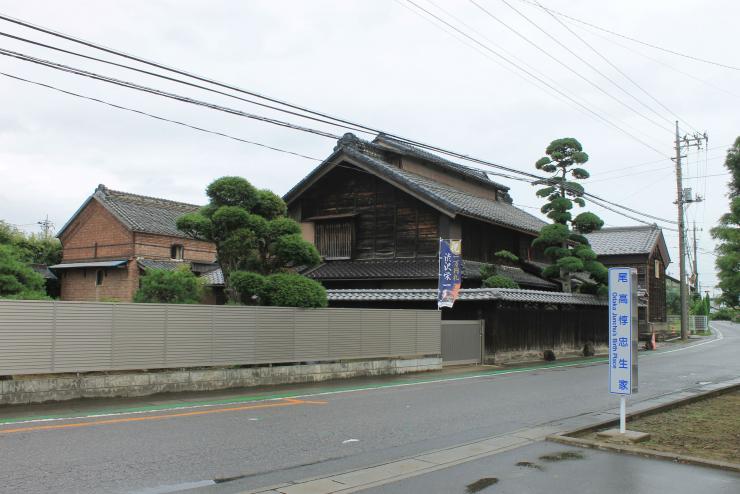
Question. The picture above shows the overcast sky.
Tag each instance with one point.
(381, 63)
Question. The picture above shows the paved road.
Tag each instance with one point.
(587, 471)
(263, 443)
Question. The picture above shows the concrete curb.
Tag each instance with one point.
(719, 389)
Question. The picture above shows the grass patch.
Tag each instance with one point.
(562, 455)
(707, 429)
(529, 464)
(481, 484)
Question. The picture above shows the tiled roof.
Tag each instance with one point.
(422, 268)
(142, 213)
(386, 142)
(451, 199)
(157, 264)
(466, 294)
(44, 271)
(445, 197)
(624, 240)
(213, 278)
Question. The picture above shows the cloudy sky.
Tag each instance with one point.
(386, 64)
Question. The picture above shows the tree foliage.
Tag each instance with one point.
(17, 250)
(727, 233)
(490, 275)
(17, 279)
(254, 240)
(162, 286)
(564, 241)
(499, 281)
(31, 248)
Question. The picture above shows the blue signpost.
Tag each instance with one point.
(623, 337)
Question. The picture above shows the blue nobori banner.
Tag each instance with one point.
(450, 272)
(622, 330)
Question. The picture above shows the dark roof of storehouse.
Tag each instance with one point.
(370, 156)
(422, 268)
(139, 213)
(466, 294)
(626, 240)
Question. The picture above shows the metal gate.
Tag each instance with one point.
(462, 342)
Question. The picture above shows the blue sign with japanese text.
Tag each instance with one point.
(450, 272)
(622, 331)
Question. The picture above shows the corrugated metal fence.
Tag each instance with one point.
(46, 337)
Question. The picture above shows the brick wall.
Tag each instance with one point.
(96, 234)
(152, 246)
(118, 284)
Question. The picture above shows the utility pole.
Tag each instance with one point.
(696, 264)
(46, 227)
(682, 199)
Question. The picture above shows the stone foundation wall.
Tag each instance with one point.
(60, 387)
(513, 357)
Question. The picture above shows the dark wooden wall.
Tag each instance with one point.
(646, 280)
(520, 326)
(482, 240)
(535, 327)
(388, 223)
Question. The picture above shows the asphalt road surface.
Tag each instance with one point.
(249, 444)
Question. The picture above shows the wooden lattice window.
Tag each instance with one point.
(334, 239)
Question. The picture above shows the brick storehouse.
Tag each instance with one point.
(115, 236)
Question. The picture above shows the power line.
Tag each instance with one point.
(660, 62)
(615, 67)
(159, 92)
(180, 81)
(140, 112)
(529, 73)
(240, 113)
(434, 22)
(232, 111)
(651, 45)
(568, 67)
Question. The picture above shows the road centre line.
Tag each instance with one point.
(284, 403)
(283, 396)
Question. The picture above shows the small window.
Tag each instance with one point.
(334, 239)
(657, 268)
(177, 251)
(99, 277)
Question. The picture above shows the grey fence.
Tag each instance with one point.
(462, 342)
(49, 337)
(696, 323)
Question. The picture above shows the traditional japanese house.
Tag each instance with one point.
(116, 236)
(376, 211)
(642, 248)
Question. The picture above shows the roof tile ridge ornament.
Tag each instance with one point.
(348, 139)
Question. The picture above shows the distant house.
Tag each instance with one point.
(376, 211)
(115, 236)
(643, 248)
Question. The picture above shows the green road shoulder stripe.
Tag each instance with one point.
(296, 393)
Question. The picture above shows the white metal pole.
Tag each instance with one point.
(622, 414)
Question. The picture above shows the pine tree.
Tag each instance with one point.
(564, 240)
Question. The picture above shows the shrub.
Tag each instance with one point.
(506, 256)
(724, 314)
(180, 286)
(248, 285)
(293, 290)
(499, 281)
